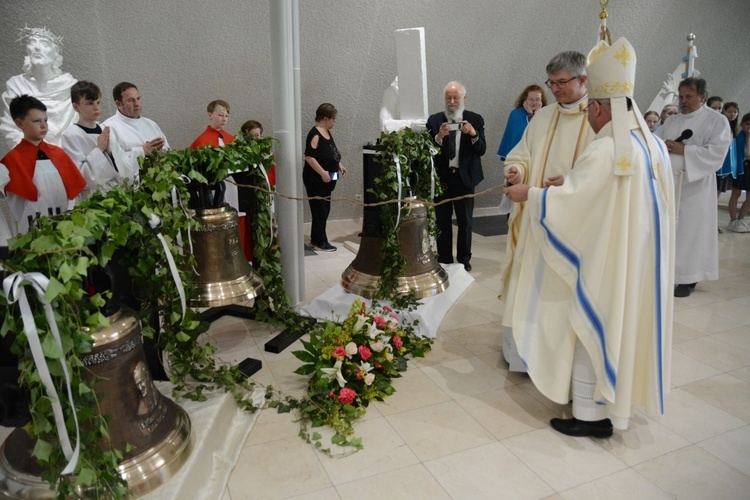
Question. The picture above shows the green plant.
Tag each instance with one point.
(406, 157)
(350, 364)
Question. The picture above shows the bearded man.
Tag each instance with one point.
(459, 136)
(41, 78)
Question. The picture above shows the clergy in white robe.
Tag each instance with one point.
(595, 286)
(136, 135)
(101, 169)
(694, 163)
(550, 145)
(132, 133)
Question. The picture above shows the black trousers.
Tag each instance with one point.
(319, 209)
(464, 210)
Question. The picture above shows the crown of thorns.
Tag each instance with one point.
(25, 33)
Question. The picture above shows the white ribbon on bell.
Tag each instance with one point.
(398, 181)
(155, 222)
(14, 288)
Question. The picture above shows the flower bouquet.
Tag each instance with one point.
(351, 363)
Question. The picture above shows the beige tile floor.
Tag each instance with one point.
(461, 426)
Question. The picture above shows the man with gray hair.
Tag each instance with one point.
(459, 136)
(546, 153)
(41, 78)
(697, 139)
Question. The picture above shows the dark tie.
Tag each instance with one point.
(451, 144)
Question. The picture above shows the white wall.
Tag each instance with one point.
(184, 53)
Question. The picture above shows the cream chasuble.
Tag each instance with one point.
(598, 266)
(550, 145)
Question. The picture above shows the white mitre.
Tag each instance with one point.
(611, 75)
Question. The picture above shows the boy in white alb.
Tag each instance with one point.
(94, 150)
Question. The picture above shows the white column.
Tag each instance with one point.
(285, 106)
(412, 74)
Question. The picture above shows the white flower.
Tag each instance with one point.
(365, 367)
(377, 346)
(369, 378)
(361, 319)
(335, 372)
(373, 331)
(351, 349)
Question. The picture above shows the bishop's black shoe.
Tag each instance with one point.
(684, 290)
(582, 428)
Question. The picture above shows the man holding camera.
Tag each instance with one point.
(459, 135)
(697, 140)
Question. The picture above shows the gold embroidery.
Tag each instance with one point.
(624, 55)
(624, 164)
(615, 87)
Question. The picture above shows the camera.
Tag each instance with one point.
(454, 126)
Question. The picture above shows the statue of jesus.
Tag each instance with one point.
(41, 78)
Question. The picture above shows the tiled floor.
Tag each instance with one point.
(461, 426)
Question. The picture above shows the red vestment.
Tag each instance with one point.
(21, 164)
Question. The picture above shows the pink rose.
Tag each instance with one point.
(379, 321)
(347, 396)
(339, 352)
(397, 342)
(365, 352)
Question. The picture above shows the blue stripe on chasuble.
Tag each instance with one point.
(588, 308)
(652, 179)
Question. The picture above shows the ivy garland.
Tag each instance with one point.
(414, 150)
(116, 225)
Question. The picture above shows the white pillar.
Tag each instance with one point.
(412, 74)
(285, 106)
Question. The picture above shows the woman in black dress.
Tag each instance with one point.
(320, 173)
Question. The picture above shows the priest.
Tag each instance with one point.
(698, 140)
(550, 145)
(592, 314)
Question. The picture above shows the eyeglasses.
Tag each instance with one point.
(559, 84)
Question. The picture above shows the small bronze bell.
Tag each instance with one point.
(423, 274)
(223, 276)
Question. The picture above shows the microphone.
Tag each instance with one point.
(686, 134)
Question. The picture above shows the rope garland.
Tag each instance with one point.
(361, 204)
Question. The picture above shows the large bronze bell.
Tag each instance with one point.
(423, 275)
(223, 275)
(157, 428)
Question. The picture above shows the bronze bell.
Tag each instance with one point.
(157, 428)
(423, 274)
(223, 275)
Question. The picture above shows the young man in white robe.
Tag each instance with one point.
(136, 135)
(695, 160)
(547, 151)
(100, 159)
(593, 309)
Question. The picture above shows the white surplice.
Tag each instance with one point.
(697, 244)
